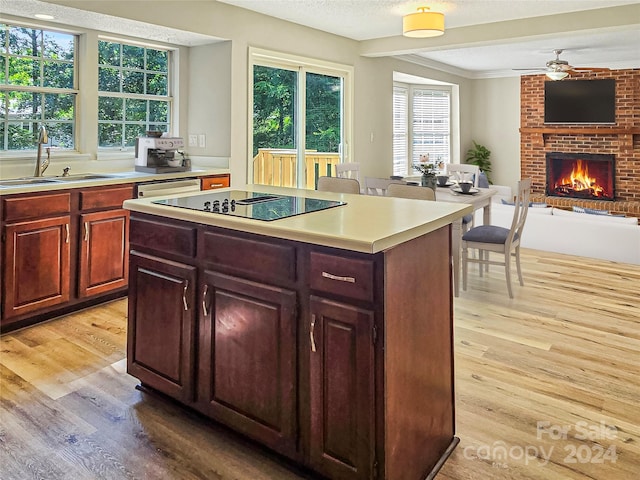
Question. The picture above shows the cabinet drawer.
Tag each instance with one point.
(252, 257)
(162, 237)
(36, 206)
(105, 197)
(215, 181)
(348, 277)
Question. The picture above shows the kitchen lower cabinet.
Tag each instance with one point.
(62, 249)
(104, 252)
(36, 265)
(247, 358)
(162, 325)
(342, 361)
(342, 396)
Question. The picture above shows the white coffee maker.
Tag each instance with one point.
(157, 154)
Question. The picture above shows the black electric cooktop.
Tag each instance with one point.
(254, 205)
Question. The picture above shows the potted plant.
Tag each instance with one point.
(428, 170)
(479, 155)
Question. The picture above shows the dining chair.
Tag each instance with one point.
(459, 171)
(338, 185)
(379, 186)
(348, 170)
(410, 191)
(491, 238)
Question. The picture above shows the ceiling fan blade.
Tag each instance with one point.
(531, 69)
(590, 69)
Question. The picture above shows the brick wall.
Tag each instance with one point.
(621, 139)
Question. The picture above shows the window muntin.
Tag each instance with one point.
(37, 86)
(133, 92)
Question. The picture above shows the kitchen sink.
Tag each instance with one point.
(81, 176)
(24, 181)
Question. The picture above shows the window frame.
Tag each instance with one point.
(44, 90)
(302, 65)
(170, 97)
(411, 89)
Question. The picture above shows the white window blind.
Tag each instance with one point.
(431, 124)
(400, 130)
(421, 125)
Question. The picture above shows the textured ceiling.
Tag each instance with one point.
(367, 19)
(494, 52)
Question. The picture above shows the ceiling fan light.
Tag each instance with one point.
(559, 75)
(423, 24)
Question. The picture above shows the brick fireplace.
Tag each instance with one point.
(621, 140)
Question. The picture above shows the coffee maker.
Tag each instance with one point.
(157, 154)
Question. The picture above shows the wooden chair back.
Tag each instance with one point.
(411, 191)
(338, 185)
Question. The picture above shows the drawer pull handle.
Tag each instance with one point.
(184, 295)
(311, 337)
(331, 276)
(205, 290)
(86, 231)
(66, 228)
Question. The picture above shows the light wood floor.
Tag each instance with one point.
(563, 354)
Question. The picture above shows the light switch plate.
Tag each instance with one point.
(193, 140)
(202, 140)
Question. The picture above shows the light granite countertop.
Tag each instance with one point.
(367, 223)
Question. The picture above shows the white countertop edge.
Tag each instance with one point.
(289, 228)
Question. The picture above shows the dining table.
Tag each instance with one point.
(478, 198)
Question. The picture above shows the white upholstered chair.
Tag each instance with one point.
(338, 185)
(410, 191)
(379, 186)
(348, 170)
(505, 241)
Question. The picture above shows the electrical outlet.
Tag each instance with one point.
(202, 140)
(193, 140)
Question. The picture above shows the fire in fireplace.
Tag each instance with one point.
(581, 175)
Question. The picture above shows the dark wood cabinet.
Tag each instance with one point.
(104, 252)
(342, 396)
(36, 265)
(340, 360)
(63, 249)
(162, 325)
(247, 358)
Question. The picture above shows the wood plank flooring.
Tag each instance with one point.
(547, 387)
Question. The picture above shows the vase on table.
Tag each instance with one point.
(429, 181)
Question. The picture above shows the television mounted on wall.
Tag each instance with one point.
(580, 101)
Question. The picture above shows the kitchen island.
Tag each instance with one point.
(327, 336)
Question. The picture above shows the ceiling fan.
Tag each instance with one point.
(557, 69)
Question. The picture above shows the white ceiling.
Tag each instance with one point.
(379, 22)
(375, 19)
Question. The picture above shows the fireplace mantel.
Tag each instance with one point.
(624, 134)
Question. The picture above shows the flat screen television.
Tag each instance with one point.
(580, 101)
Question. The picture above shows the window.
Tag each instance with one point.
(421, 125)
(37, 86)
(133, 92)
(300, 119)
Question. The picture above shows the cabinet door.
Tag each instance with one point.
(161, 330)
(104, 252)
(342, 398)
(36, 265)
(247, 373)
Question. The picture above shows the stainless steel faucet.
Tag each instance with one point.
(42, 139)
